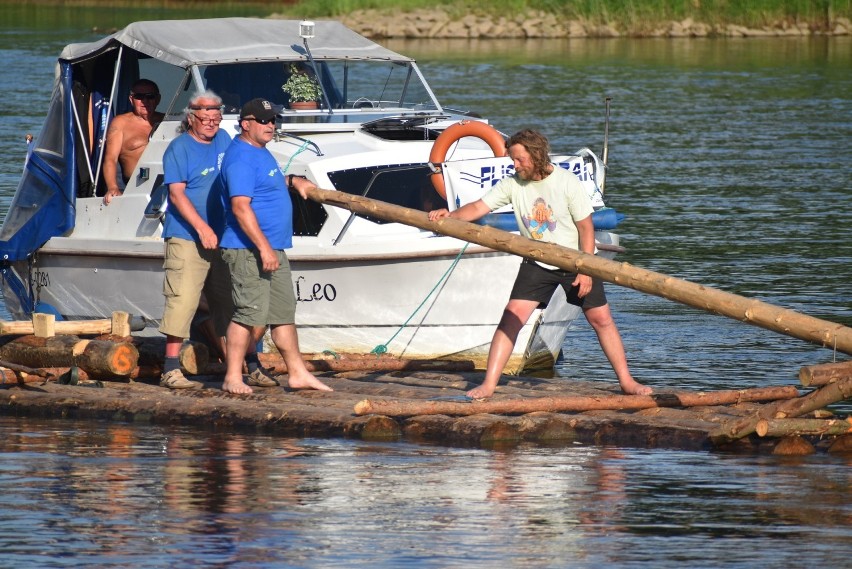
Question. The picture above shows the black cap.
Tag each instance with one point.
(259, 109)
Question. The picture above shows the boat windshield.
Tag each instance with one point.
(354, 84)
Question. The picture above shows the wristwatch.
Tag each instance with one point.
(290, 177)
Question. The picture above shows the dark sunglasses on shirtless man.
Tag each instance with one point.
(145, 96)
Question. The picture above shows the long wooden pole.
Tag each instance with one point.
(411, 408)
(756, 312)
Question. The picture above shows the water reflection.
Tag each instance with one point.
(123, 496)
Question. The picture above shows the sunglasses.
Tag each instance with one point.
(260, 121)
(145, 96)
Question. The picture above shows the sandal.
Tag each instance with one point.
(176, 380)
(261, 378)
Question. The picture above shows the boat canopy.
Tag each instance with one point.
(240, 55)
(230, 40)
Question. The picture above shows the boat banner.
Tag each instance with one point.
(468, 180)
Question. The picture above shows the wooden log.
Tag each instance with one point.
(758, 313)
(138, 373)
(546, 427)
(120, 324)
(374, 427)
(358, 362)
(103, 359)
(841, 445)
(194, 356)
(411, 408)
(793, 446)
(275, 362)
(44, 325)
(25, 327)
(790, 427)
(11, 377)
(823, 374)
(35, 352)
(12, 373)
(100, 358)
(743, 427)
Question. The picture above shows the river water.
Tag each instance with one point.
(731, 159)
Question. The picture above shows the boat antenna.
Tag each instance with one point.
(306, 32)
(605, 152)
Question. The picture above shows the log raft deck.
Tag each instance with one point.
(113, 377)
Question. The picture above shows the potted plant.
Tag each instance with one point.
(303, 89)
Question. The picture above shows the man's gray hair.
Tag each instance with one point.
(208, 94)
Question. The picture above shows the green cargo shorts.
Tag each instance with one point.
(260, 298)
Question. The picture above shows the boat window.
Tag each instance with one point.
(380, 85)
(172, 81)
(47, 165)
(239, 83)
(406, 185)
(308, 217)
(348, 84)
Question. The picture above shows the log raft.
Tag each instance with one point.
(425, 405)
(431, 408)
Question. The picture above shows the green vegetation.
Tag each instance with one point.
(630, 13)
(301, 87)
(625, 14)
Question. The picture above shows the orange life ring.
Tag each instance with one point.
(455, 132)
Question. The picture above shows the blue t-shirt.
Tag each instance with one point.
(198, 165)
(253, 172)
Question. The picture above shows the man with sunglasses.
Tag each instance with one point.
(258, 228)
(191, 229)
(128, 135)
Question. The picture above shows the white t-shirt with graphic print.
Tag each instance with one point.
(546, 209)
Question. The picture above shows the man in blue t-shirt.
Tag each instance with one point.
(193, 222)
(258, 228)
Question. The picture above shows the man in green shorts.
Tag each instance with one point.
(258, 228)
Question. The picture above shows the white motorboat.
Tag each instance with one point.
(363, 285)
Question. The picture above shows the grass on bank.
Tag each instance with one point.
(743, 12)
(627, 14)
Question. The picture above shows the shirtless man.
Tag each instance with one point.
(128, 135)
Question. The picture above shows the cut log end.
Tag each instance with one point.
(364, 407)
(841, 445)
(793, 446)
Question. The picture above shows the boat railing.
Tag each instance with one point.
(282, 134)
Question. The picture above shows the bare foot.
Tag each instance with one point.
(306, 381)
(633, 387)
(481, 392)
(236, 386)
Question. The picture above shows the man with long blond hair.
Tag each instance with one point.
(550, 205)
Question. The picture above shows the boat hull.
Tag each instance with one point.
(435, 305)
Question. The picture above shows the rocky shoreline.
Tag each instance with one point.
(437, 23)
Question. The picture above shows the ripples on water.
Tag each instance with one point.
(117, 496)
(731, 159)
